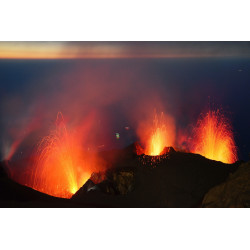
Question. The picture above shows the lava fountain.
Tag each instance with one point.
(156, 134)
(60, 169)
(214, 138)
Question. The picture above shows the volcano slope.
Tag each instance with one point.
(175, 179)
(234, 192)
(13, 194)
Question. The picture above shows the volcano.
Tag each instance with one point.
(173, 179)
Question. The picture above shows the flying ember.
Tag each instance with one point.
(157, 134)
(214, 138)
(60, 169)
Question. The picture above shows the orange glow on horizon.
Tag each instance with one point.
(95, 50)
(60, 50)
(29, 50)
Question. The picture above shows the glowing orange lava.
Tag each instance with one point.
(60, 169)
(156, 134)
(214, 138)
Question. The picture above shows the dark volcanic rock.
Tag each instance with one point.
(168, 150)
(234, 192)
(172, 180)
(98, 177)
(119, 181)
(84, 189)
(13, 194)
(2, 170)
(123, 181)
(116, 182)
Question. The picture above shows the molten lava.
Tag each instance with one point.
(61, 168)
(214, 138)
(158, 139)
(156, 134)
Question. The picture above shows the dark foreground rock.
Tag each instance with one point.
(13, 194)
(2, 172)
(234, 192)
(174, 179)
(114, 181)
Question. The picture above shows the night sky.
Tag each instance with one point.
(120, 83)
